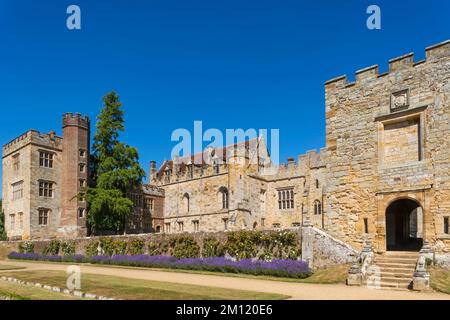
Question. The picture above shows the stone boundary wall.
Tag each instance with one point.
(322, 250)
(7, 247)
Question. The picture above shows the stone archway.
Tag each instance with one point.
(404, 222)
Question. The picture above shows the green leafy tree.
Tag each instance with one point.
(115, 170)
(2, 224)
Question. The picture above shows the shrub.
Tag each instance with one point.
(52, 249)
(68, 248)
(212, 248)
(157, 249)
(243, 244)
(137, 246)
(112, 246)
(91, 248)
(184, 247)
(26, 247)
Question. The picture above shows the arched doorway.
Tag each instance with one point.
(404, 221)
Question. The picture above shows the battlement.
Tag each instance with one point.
(406, 61)
(70, 119)
(50, 140)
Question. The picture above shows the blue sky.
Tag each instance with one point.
(231, 64)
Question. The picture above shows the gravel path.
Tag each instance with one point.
(298, 291)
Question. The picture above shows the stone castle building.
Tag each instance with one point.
(383, 175)
(42, 174)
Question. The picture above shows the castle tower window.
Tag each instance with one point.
(16, 162)
(196, 224)
(20, 216)
(186, 203)
(216, 168)
(82, 183)
(81, 212)
(43, 216)
(366, 225)
(317, 183)
(180, 226)
(286, 199)
(317, 207)
(46, 189)
(262, 222)
(12, 221)
(190, 168)
(223, 193)
(45, 159)
(17, 190)
(446, 229)
(82, 153)
(225, 223)
(82, 167)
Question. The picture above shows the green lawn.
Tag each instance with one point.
(440, 279)
(125, 288)
(3, 267)
(17, 291)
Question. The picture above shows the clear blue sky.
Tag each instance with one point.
(230, 63)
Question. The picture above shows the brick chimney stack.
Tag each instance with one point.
(152, 175)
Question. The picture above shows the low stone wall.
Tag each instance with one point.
(322, 250)
(7, 247)
(442, 260)
(318, 248)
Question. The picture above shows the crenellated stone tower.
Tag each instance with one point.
(74, 174)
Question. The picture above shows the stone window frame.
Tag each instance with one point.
(46, 159)
(81, 212)
(82, 167)
(20, 216)
(180, 226)
(167, 227)
(224, 194)
(196, 224)
(17, 193)
(186, 202)
(82, 153)
(148, 203)
(43, 216)
(16, 161)
(286, 198)
(317, 207)
(392, 118)
(12, 222)
(225, 223)
(46, 189)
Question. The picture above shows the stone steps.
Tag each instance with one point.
(396, 270)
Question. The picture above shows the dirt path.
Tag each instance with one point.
(298, 291)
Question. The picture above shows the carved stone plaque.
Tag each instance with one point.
(400, 100)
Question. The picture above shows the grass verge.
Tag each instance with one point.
(15, 291)
(133, 289)
(330, 275)
(440, 279)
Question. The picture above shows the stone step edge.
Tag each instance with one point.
(75, 293)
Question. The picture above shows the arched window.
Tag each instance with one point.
(223, 196)
(158, 229)
(317, 207)
(186, 203)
